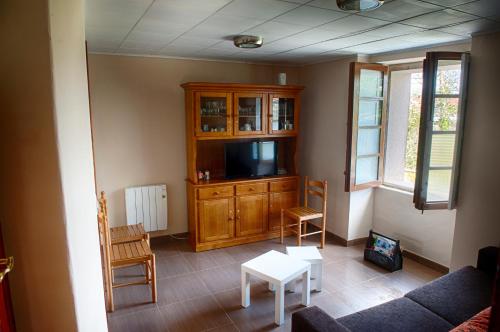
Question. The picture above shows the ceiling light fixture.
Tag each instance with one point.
(248, 41)
(359, 5)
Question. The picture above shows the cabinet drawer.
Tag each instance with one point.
(288, 185)
(215, 192)
(251, 188)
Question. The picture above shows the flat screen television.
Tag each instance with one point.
(251, 159)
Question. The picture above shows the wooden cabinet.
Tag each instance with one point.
(216, 219)
(278, 201)
(251, 214)
(224, 212)
(238, 212)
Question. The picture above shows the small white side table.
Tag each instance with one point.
(312, 255)
(277, 269)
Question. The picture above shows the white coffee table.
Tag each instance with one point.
(312, 255)
(277, 269)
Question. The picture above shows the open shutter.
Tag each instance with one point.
(366, 126)
(441, 129)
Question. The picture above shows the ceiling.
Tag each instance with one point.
(294, 31)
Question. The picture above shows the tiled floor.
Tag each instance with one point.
(201, 291)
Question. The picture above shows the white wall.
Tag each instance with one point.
(478, 218)
(76, 162)
(361, 205)
(323, 135)
(429, 235)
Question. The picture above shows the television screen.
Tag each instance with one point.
(251, 159)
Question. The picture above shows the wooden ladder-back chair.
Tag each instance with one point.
(304, 214)
(122, 255)
(122, 234)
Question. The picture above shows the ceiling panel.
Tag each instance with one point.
(398, 10)
(352, 24)
(273, 30)
(138, 45)
(392, 30)
(193, 41)
(483, 8)
(439, 19)
(469, 28)
(151, 36)
(257, 9)
(176, 51)
(111, 14)
(108, 22)
(448, 3)
(222, 26)
(429, 37)
(310, 16)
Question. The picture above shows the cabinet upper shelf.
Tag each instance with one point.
(235, 110)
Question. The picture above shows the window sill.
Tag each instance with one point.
(401, 190)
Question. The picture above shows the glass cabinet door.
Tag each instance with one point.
(283, 114)
(249, 114)
(213, 114)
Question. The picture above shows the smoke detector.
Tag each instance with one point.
(246, 41)
(359, 5)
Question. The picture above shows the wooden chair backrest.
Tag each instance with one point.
(316, 188)
(104, 233)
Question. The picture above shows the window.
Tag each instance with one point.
(441, 127)
(405, 97)
(423, 131)
(366, 126)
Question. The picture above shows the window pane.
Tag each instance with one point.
(371, 83)
(369, 112)
(445, 114)
(366, 169)
(448, 77)
(442, 149)
(368, 141)
(438, 187)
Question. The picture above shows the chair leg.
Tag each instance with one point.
(110, 292)
(305, 228)
(282, 225)
(323, 233)
(146, 268)
(299, 233)
(153, 278)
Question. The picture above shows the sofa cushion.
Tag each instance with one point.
(397, 315)
(313, 319)
(456, 296)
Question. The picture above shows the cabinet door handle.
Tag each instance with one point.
(251, 189)
(215, 193)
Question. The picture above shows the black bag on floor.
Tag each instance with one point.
(383, 251)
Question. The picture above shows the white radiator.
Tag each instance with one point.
(147, 205)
